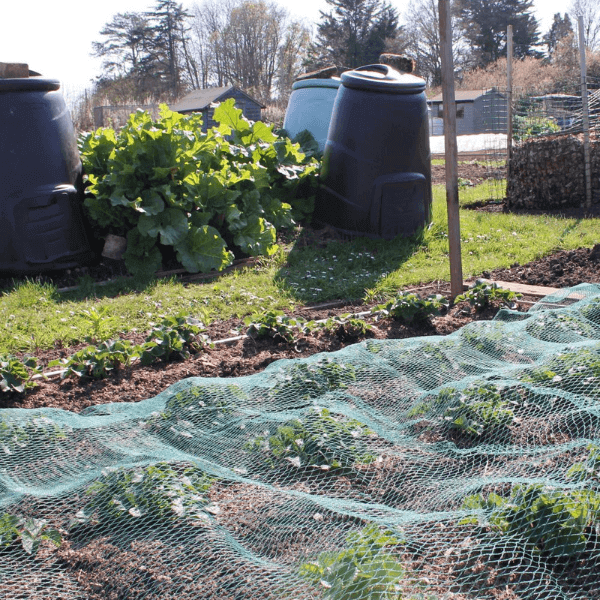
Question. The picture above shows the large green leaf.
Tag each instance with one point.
(203, 249)
(257, 237)
(233, 119)
(151, 203)
(171, 225)
(142, 257)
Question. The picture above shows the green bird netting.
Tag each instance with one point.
(456, 467)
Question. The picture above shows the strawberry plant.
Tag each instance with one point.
(157, 492)
(203, 404)
(17, 436)
(16, 375)
(166, 184)
(589, 470)
(98, 361)
(477, 410)
(310, 380)
(411, 308)
(561, 327)
(319, 440)
(366, 568)
(570, 370)
(553, 522)
(483, 292)
(480, 409)
(178, 336)
(274, 324)
(347, 326)
(28, 533)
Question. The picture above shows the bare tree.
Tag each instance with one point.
(292, 55)
(590, 11)
(423, 41)
(250, 43)
(207, 40)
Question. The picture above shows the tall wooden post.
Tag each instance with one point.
(586, 117)
(451, 148)
(509, 102)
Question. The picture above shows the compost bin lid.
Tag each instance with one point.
(383, 78)
(29, 84)
(317, 83)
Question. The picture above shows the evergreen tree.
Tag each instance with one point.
(560, 29)
(485, 23)
(353, 33)
(168, 41)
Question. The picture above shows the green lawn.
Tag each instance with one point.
(37, 315)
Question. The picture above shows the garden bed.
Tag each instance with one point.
(248, 356)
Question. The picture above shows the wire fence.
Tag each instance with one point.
(537, 117)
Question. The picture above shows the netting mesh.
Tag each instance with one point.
(463, 467)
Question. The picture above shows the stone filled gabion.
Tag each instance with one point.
(549, 172)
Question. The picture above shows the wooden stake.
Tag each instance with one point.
(586, 117)
(509, 111)
(451, 147)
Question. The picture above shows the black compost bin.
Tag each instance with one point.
(41, 188)
(376, 170)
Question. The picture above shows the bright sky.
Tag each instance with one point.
(55, 38)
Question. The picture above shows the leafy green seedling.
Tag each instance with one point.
(411, 308)
(553, 522)
(367, 568)
(98, 361)
(318, 440)
(274, 324)
(100, 320)
(477, 410)
(29, 532)
(176, 336)
(16, 375)
(483, 292)
(159, 491)
(347, 326)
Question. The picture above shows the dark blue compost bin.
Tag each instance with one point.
(41, 189)
(376, 170)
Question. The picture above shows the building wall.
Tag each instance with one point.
(465, 119)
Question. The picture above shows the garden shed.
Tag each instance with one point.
(477, 111)
(201, 100)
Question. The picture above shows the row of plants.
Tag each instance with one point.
(486, 410)
(408, 307)
(180, 336)
(121, 497)
(201, 197)
(175, 337)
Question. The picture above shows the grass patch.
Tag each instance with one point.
(488, 190)
(38, 316)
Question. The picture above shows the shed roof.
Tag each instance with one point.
(463, 95)
(199, 100)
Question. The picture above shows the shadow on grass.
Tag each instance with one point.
(321, 265)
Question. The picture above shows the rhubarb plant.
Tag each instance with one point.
(166, 184)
